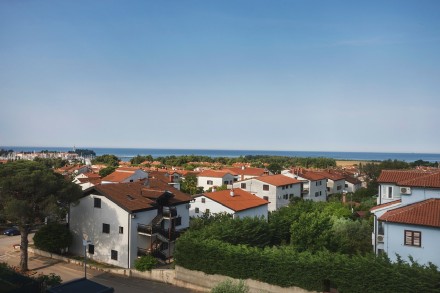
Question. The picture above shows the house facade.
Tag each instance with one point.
(277, 189)
(335, 182)
(244, 172)
(123, 221)
(407, 217)
(211, 178)
(314, 184)
(236, 202)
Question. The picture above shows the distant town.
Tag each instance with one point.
(180, 209)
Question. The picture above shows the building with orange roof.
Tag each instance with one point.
(122, 221)
(314, 186)
(125, 174)
(407, 217)
(243, 172)
(277, 189)
(214, 178)
(335, 181)
(236, 202)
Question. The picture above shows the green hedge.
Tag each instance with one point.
(283, 266)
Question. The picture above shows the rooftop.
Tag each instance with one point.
(242, 200)
(278, 180)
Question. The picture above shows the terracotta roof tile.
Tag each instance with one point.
(331, 176)
(394, 176)
(278, 180)
(424, 213)
(307, 174)
(429, 181)
(213, 173)
(242, 200)
(247, 171)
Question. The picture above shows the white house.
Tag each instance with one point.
(211, 178)
(407, 219)
(87, 180)
(243, 172)
(125, 174)
(236, 202)
(125, 220)
(352, 184)
(277, 189)
(314, 184)
(335, 182)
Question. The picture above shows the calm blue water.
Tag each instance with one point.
(127, 153)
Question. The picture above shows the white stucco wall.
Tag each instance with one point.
(86, 222)
(216, 181)
(428, 252)
(275, 194)
(333, 186)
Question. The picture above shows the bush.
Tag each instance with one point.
(53, 237)
(228, 286)
(145, 263)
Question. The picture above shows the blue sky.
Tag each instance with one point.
(273, 75)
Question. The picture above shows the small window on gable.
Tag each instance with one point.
(203, 200)
(243, 185)
(97, 202)
(265, 187)
(266, 198)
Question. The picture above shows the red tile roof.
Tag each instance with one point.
(424, 213)
(242, 200)
(385, 205)
(120, 174)
(278, 180)
(136, 196)
(246, 171)
(213, 173)
(331, 176)
(411, 178)
(309, 175)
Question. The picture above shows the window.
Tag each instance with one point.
(243, 185)
(106, 228)
(197, 210)
(203, 200)
(209, 182)
(266, 198)
(207, 211)
(339, 187)
(226, 182)
(121, 230)
(316, 183)
(285, 196)
(413, 238)
(284, 187)
(316, 193)
(390, 192)
(114, 255)
(97, 202)
(265, 187)
(91, 248)
(178, 221)
(290, 195)
(320, 193)
(346, 185)
(328, 189)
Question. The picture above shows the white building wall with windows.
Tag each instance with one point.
(394, 243)
(276, 195)
(202, 204)
(335, 186)
(209, 182)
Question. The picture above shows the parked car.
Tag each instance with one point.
(11, 232)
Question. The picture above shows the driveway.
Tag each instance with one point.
(69, 272)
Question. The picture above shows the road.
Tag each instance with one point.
(69, 272)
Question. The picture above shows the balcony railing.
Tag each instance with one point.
(305, 191)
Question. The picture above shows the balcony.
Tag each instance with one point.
(305, 191)
(148, 229)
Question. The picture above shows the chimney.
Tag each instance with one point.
(242, 167)
(232, 193)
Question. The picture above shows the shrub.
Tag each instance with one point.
(53, 237)
(228, 286)
(145, 263)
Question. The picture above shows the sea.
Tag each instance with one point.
(126, 154)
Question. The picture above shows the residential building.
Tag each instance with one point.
(352, 184)
(87, 180)
(212, 178)
(277, 189)
(125, 174)
(243, 172)
(237, 202)
(335, 182)
(407, 217)
(125, 220)
(314, 183)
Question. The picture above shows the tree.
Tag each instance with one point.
(30, 192)
(53, 237)
(311, 232)
(189, 185)
(105, 171)
(109, 160)
(140, 159)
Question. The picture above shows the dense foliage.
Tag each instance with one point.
(53, 237)
(140, 159)
(52, 162)
(145, 263)
(106, 171)
(228, 286)
(285, 266)
(30, 192)
(108, 160)
(85, 152)
(189, 185)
